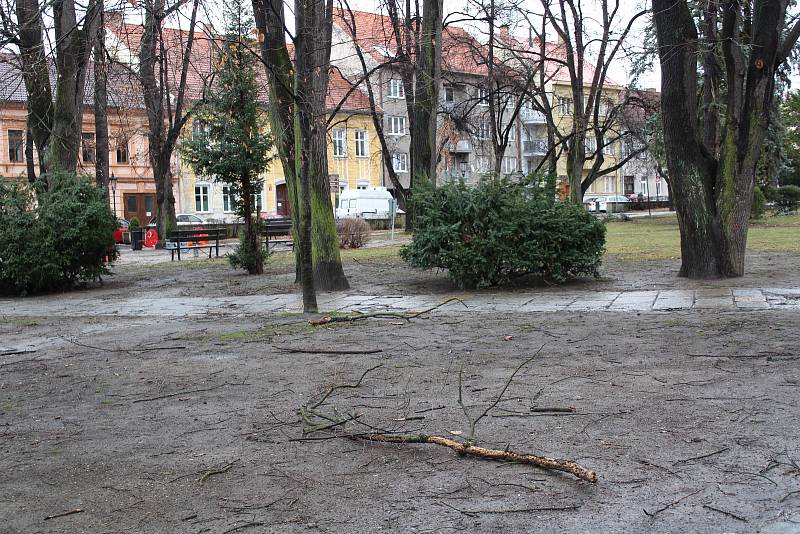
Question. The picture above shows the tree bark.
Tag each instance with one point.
(101, 105)
(713, 175)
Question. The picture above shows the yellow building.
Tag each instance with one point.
(354, 161)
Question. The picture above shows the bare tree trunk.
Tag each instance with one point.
(101, 105)
(712, 176)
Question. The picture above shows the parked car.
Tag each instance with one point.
(592, 202)
(370, 203)
(122, 227)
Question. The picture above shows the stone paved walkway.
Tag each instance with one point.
(723, 299)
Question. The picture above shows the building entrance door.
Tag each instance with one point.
(282, 199)
(140, 205)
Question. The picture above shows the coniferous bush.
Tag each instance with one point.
(759, 204)
(54, 238)
(501, 229)
(786, 198)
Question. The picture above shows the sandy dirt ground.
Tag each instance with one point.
(691, 419)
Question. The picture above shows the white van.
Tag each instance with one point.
(369, 203)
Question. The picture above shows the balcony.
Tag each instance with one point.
(460, 147)
(535, 147)
(530, 116)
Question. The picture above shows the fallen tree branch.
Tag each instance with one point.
(211, 472)
(358, 316)
(17, 351)
(731, 514)
(326, 351)
(545, 462)
(143, 349)
(62, 514)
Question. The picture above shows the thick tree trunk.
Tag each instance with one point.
(101, 106)
(426, 99)
(251, 239)
(165, 197)
(314, 20)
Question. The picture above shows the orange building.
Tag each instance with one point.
(133, 191)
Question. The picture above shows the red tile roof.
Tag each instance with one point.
(461, 53)
(201, 64)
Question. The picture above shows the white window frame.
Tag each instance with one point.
(509, 164)
(258, 201)
(610, 185)
(608, 149)
(397, 125)
(449, 89)
(564, 105)
(400, 162)
(483, 97)
(483, 130)
(339, 142)
(396, 89)
(228, 200)
(198, 198)
(362, 144)
(362, 184)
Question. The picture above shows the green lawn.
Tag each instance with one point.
(657, 237)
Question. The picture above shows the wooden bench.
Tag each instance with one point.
(195, 239)
(280, 228)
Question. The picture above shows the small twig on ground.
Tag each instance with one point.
(326, 351)
(524, 510)
(555, 409)
(216, 471)
(344, 386)
(358, 316)
(731, 514)
(244, 526)
(17, 351)
(185, 392)
(673, 503)
(62, 514)
(693, 458)
(143, 349)
(789, 495)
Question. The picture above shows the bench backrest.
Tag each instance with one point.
(281, 226)
(206, 235)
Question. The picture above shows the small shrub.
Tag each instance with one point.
(353, 233)
(244, 257)
(786, 198)
(502, 229)
(58, 241)
(134, 224)
(759, 204)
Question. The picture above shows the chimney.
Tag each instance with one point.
(504, 31)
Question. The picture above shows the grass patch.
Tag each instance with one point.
(657, 238)
(267, 332)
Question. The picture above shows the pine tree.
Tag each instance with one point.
(233, 147)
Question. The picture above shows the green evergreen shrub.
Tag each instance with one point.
(246, 257)
(56, 241)
(500, 229)
(786, 198)
(759, 204)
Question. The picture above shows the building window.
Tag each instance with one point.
(482, 164)
(483, 96)
(15, 144)
(483, 130)
(361, 144)
(564, 105)
(339, 136)
(201, 199)
(628, 182)
(449, 94)
(88, 149)
(257, 201)
(199, 128)
(228, 199)
(400, 162)
(362, 184)
(509, 165)
(122, 152)
(396, 89)
(608, 149)
(397, 125)
(591, 144)
(512, 133)
(610, 184)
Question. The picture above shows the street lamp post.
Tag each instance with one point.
(113, 182)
